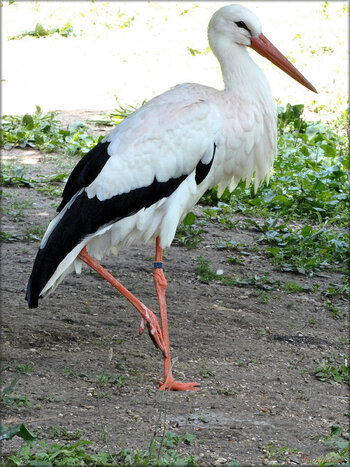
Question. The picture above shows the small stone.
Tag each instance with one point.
(220, 461)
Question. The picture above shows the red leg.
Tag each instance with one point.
(161, 284)
(148, 316)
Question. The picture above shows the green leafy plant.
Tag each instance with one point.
(62, 432)
(7, 236)
(189, 231)
(16, 209)
(35, 232)
(331, 371)
(339, 456)
(79, 374)
(294, 287)
(118, 380)
(24, 367)
(204, 270)
(44, 132)
(42, 31)
(206, 274)
(121, 112)
(337, 290)
(335, 310)
(9, 397)
(162, 452)
(222, 213)
(304, 250)
(277, 453)
(193, 52)
(18, 430)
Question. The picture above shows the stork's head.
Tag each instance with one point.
(236, 25)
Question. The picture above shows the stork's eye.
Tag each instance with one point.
(241, 24)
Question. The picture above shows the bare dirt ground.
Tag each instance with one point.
(253, 352)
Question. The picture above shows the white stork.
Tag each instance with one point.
(138, 183)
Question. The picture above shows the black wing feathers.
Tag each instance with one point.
(84, 217)
(202, 170)
(85, 172)
(87, 215)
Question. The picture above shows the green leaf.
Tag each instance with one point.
(10, 388)
(190, 219)
(28, 121)
(306, 231)
(188, 438)
(18, 430)
(40, 30)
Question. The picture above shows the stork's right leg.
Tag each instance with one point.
(148, 316)
(160, 282)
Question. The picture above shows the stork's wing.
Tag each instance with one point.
(165, 139)
(144, 159)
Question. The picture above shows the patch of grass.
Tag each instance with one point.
(205, 373)
(282, 453)
(24, 368)
(222, 214)
(62, 432)
(337, 290)
(42, 31)
(162, 452)
(335, 310)
(35, 232)
(189, 231)
(15, 176)
(9, 397)
(262, 333)
(9, 236)
(344, 340)
(117, 380)
(264, 298)
(121, 112)
(50, 190)
(206, 274)
(304, 250)
(16, 209)
(78, 374)
(294, 287)
(122, 20)
(235, 259)
(331, 371)
(231, 245)
(47, 398)
(44, 132)
(339, 456)
(309, 182)
(204, 271)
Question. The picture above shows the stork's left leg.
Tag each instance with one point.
(148, 317)
(161, 284)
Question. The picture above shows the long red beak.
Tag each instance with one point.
(265, 48)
